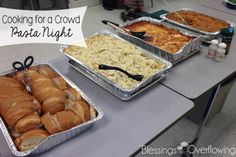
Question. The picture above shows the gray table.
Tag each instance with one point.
(218, 5)
(126, 125)
(199, 78)
(197, 75)
(123, 129)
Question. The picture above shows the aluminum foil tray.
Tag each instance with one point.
(110, 88)
(186, 50)
(207, 35)
(55, 139)
(123, 94)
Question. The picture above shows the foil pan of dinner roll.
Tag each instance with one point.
(187, 50)
(57, 138)
(115, 89)
(207, 35)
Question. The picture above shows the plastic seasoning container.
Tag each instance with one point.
(226, 36)
(220, 52)
(212, 48)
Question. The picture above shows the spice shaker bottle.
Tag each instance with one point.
(212, 48)
(226, 36)
(220, 52)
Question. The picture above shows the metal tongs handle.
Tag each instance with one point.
(135, 77)
(115, 26)
(19, 66)
(173, 10)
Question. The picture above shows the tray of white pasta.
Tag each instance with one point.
(106, 48)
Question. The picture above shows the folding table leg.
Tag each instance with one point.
(35, 4)
(203, 121)
(152, 3)
(23, 4)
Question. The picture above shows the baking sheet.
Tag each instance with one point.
(209, 35)
(186, 50)
(123, 94)
(57, 138)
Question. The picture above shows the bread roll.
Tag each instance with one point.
(37, 103)
(34, 68)
(31, 139)
(54, 108)
(33, 77)
(47, 72)
(93, 112)
(28, 105)
(11, 90)
(5, 95)
(21, 111)
(60, 82)
(9, 82)
(13, 100)
(20, 75)
(15, 134)
(67, 119)
(7, 91)
(61, 121)
(73, 94)
(53, 105)
(28, 123)
(41, 84)
(54, 100)
(81, 109)
(2, 98)
(49, 92)
(16, 115)
(68, 103)
(50, 123)
(40, 78)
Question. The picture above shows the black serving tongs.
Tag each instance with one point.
(135, 77)
(19, 66)
(117, 27)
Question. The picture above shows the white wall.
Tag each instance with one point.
(11, 4)
(79, 3)
(44, 4)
